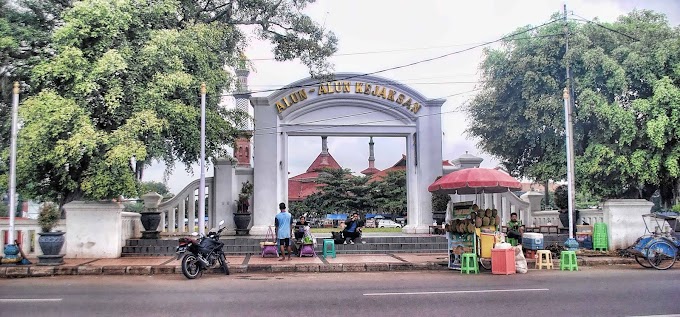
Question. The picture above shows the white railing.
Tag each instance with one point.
(131, 226)
(183, 206)
(544, 217)
(26, 232)
(591, 216)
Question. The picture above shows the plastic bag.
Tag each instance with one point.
(520, 261)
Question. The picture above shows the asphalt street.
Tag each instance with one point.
(610, 291)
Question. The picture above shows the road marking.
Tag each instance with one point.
(29, 300)
(461, 292)
(675, 315)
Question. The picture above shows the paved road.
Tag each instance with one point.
(620, 291)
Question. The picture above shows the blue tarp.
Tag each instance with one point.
(336, 216)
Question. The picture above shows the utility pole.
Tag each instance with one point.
(201, 184)
(571, 243)
(11, 250)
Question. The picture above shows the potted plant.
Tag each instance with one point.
(50, 242)
(242, 215)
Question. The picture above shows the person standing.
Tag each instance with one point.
(353, 228)
(283, 223)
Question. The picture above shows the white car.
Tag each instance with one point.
(388, 224)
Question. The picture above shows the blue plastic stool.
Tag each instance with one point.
(468, 263)
(328, 247)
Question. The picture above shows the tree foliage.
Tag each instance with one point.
(626, 117)
(121, 87)
(342, 192)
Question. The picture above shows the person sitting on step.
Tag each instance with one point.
(353, 227)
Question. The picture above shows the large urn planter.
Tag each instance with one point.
(51, 244)
(150, 221)
(242, 221)
(151, 218)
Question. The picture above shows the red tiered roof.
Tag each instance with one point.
(303, 185)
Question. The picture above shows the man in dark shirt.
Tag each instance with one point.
(353, 227)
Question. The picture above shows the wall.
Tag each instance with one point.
(93, 229)
(624, 221)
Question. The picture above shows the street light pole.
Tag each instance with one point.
(11, 250)
(571, 243)
(201, 184)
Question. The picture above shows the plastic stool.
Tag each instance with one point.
(468, 263)
(512, 241)
(328, 244)
(568, 261)
(544, 259)
(600, 236)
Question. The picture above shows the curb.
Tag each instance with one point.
(9, 271)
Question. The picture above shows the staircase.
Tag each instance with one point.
(251, 245)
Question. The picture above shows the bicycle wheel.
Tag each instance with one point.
(643, 262)
(485, 263)
(661, 254)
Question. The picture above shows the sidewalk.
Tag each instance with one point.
(256, 263)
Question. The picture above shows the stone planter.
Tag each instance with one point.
(150, 221)
(242, 221)
(51, 244)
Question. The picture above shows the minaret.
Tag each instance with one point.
(371, 156)
(324, 150)
(371, 160)
(242, 148)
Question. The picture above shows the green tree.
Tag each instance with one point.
(343, 192)
(122, 88)
(389, 194)
(25, 28)
(626, 114)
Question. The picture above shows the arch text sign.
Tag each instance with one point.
(300, 96)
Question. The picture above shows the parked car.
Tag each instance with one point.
(386, 223)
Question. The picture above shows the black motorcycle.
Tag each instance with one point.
(202, 253)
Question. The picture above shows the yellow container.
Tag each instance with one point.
(487, 240)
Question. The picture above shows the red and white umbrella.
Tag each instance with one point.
(475, 181)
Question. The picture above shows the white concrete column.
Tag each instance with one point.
(415, 216)
(267, 153)
(283, 170)
(624, 221)
(93, 229)
(226, 192)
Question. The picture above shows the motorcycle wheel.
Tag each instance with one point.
(190, 266)
(223, 262)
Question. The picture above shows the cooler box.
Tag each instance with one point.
(532, 241)
(503, 261)
(487, 241)
(585, 241)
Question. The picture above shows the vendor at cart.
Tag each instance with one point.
(515, 227)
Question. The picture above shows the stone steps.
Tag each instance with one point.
(244, 246)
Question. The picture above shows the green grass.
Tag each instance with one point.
(365, 230)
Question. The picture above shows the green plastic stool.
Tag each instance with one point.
(568, 261)
(468, 263)
(600, 241)
(512, 241)
(328, 244)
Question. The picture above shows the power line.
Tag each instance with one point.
(384, 51)
(416, 62)
(604, 27)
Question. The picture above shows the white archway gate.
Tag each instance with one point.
(352, 105)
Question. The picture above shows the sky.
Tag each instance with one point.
(379, 34)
